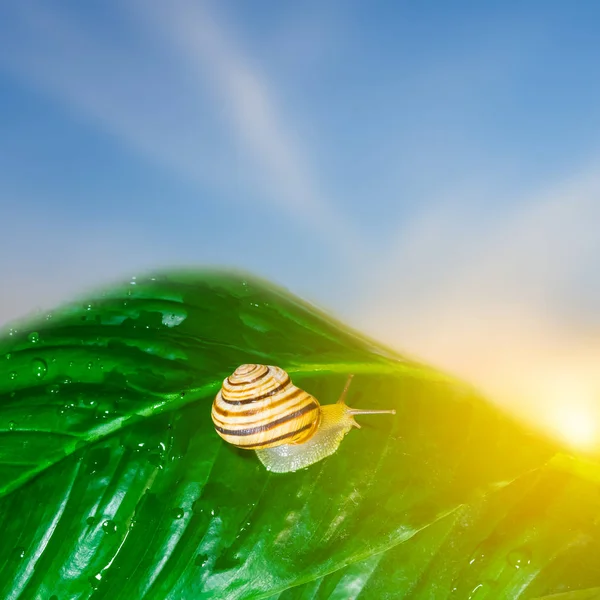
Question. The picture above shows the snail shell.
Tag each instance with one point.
(259, 408)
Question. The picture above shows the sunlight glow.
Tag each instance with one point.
(577, 427)
(573, 411)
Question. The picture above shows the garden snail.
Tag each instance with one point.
(259, 408)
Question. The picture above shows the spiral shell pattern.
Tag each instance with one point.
(259, 407)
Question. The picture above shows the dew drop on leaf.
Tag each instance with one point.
(19, 552)
(11, 426)
(201, 560)
(109, 526)
(178, 513)
(34, 337)
(98, 460)
(40, 368)
(88, 401)
(519, 558)
(95, 580)
(13, 375)
(91, 521)
(480, 590)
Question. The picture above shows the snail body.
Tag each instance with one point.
(259, 408)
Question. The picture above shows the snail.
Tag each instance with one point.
(259, 408)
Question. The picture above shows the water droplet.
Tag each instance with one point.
(91, 520)
(480, 590)
(95, 580)
(8, 356)
(13, 375)
(90, 365)
(519, 558)
(477, 556)
(103, 414)
(67, 381)
(201, 560)
(19, 551)
(109, 527)
(89, 306)
(34, 337)
(99, 459)
(40, 368)
(48, 316)
(53, 389)
(53, 597)
(11, 426)
(88, 400)
(178, 513)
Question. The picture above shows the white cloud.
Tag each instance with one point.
(119, 86)
(248, 101)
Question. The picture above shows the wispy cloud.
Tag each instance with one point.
(192, 101)
(117, 85)
(247, 97)
(487, 299)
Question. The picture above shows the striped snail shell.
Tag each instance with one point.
(259, 408)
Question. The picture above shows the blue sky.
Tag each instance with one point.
(427, 171)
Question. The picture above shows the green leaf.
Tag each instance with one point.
(115, 485)
(537, 534)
